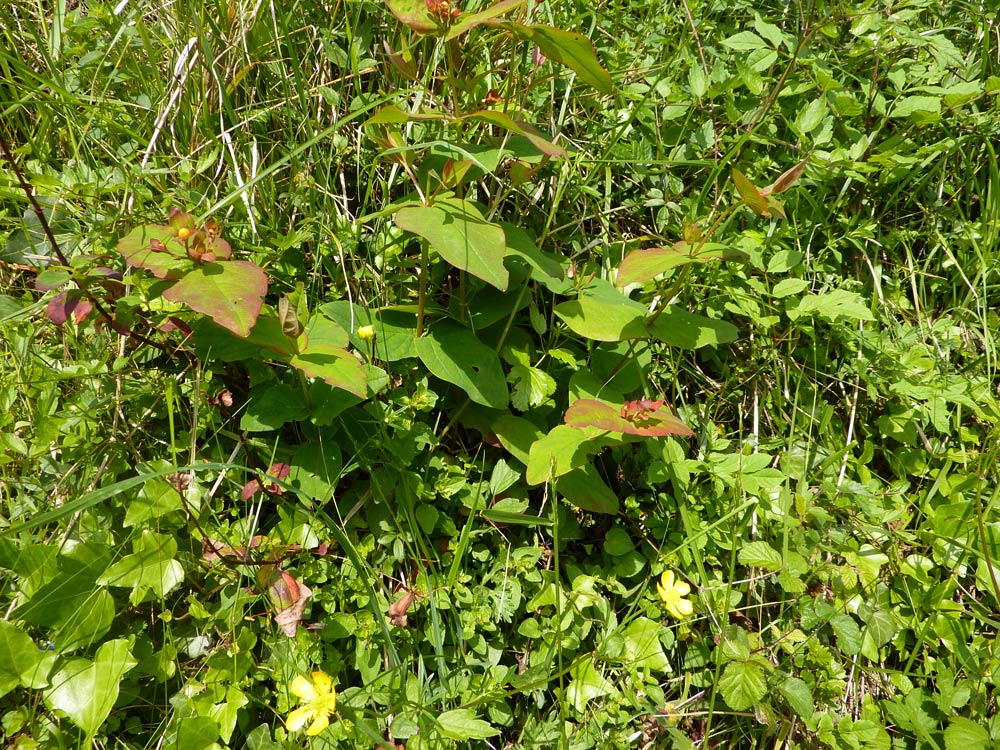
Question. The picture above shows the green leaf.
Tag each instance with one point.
(745, 40)
(916, 105)
(462, 724)
(587, 685)
(508, 123)
(847, 631)
(546, 267)
(965, 734)
(760, 555)
(334, 365)
(688, 330)
(454, 354)
(569, 48)
(467, 21)
(395, 329)
(839, 303)
(743, 684)
(18, 656)
(642, 646)
(603, 318)
(798, 695)
(151, 567)
(86, 624)
(86, 692)
(516, 435)
(459, 233)
(231, 293)
(414, 14)
(585, 489)
(642, 265)
(750, 194)
(531, 386)
(563, 449)
(272, 406)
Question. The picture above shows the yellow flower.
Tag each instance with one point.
(672, 592)
(366, 333)
(318, 699)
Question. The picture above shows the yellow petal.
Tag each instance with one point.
(318, 725)
(298, 718)
(323, 683)
(682, 588)
(304, 689)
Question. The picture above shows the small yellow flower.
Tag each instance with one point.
(366, 333)
(318, 699)
(672, 592)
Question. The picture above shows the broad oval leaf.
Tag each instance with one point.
(601, 319)
(170, 262)
(467, 21)
(334, 365)
(642, 265)
(453, 353)
(459, 233)
(585, 489)
(688, 330)
(231, 293)
(414, 14)
(587, 412)
(18, 656)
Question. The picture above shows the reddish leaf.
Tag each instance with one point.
(156, 249)
(230, 293)
(288, 596)
(65, 305)
(786, 180)
(288, 619)
(660, 422)
(250, 489)
(642, 265)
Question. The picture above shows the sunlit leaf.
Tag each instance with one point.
(458, 232)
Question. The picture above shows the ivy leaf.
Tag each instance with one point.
(86, 691)
(151, 567)
(588, 684)
(18, 656)
(830, 306)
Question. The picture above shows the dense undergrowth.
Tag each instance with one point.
(516, 410)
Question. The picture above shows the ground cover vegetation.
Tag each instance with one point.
(446, 374)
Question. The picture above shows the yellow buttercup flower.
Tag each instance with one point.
(366, 333)
(672, 592)
(318, 698)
